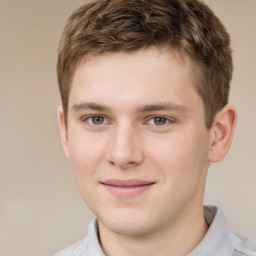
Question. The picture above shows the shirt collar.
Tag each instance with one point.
(218, 240)
(92, 245)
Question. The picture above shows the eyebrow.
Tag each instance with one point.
(90, 106)
(139, 109)
(161, 106)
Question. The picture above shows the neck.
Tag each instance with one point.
(177, 238)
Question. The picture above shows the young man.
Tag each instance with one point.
(144, 87)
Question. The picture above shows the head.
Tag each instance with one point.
(144, 85)
(187, 27)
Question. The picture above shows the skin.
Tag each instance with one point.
(137, 116)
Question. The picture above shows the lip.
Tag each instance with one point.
(127, 188)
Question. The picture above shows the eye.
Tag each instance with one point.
(158, 120)
(96, 120)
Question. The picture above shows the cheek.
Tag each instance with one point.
(86, 154)
(84, 148)
(85, 159)
(181, 158)
(170, 151)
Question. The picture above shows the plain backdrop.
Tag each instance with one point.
(40, 209)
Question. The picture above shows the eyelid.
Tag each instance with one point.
(169, 120)
(87, 117)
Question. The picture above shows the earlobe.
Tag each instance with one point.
(63, 131)
(222, 133)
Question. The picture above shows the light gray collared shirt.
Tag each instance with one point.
(220, 240)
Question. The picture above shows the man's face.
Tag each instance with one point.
(137, 140)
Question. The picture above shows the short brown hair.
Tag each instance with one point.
(186, 26)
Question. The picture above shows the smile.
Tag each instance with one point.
(126, 188)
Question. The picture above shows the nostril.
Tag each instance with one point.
(123, 152)
(123, 165)
(112, 163)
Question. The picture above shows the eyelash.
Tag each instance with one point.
(87, 118)
(167, 120)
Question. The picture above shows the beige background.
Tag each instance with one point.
(40, 208)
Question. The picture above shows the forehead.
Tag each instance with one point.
(153, 55)
(136, 77)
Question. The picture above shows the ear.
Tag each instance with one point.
(63, 130)
(222, 133)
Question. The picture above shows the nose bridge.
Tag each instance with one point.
(125, 149)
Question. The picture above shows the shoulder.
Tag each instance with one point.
(243, 245)
(74, 249)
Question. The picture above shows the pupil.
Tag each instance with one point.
(97, 120)
(160, 120)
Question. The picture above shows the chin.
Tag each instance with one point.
(133, 224)
(128, 229)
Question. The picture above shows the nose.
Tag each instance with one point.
(125, 149)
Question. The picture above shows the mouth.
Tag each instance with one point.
(127, 188)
